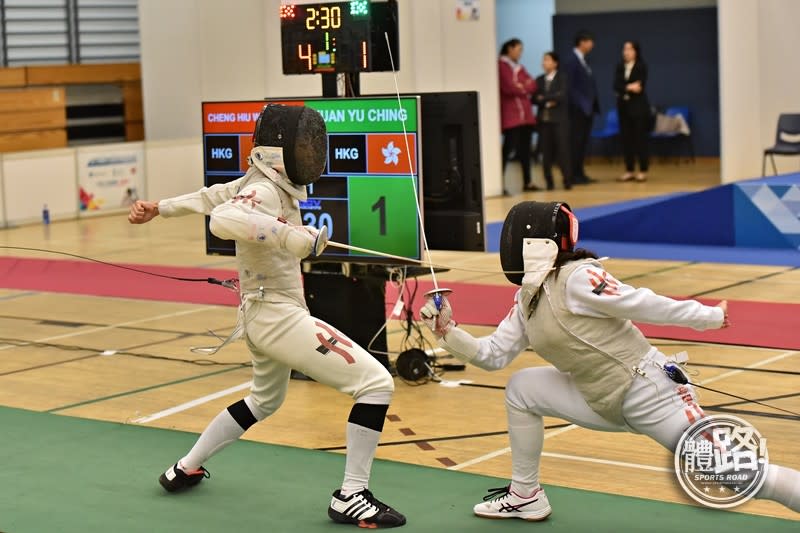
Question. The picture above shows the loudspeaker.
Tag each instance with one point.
(353, 305)
(443, 228)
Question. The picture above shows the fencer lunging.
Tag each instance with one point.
(605, 375)
(260, 211)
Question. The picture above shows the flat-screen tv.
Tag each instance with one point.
(451, 169)
(366, 195)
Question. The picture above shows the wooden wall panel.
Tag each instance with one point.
(12, 77)
(17, 100)
(134, 131)
(33, 140)
(132, 97)
(44, 119)
(83, 74)
(33, 107)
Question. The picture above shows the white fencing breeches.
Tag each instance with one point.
(655, 405)
(284, 336)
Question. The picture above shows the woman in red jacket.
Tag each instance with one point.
(516, 112)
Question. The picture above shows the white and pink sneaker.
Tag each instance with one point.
(504, 503)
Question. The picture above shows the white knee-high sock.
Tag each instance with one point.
(783, 486)
(222, 431)
(361, 445)
(526, 433)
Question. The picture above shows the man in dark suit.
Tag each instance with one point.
(551, 102)
(583, 103)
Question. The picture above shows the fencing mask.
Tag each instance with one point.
(300, 134)
(536, 223)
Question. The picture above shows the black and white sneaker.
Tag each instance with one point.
(175, 478)
(364, 510)
(505, 503)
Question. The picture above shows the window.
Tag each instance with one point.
(36, 31)
(68, 31)
(107, 31)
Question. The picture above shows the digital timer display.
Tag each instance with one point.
(329, 37)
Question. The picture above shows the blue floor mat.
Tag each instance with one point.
(685, 252)
(667, 252)
(674, 252)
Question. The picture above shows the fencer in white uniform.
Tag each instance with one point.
(605, 375)
(260, 211)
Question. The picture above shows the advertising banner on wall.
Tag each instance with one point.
(110, 177)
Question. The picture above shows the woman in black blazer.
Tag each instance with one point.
(633, 107)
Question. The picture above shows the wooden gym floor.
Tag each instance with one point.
(63, 370)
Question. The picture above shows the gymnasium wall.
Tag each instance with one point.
(740, 96)
(759, 76)
(195, 50)
(530, 22)
(29, 180)
(2, 199)
(32, 179)
(680, 48)
(603, 6)
(780, 68)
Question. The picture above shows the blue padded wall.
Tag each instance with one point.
(761, 213)
(700, 218)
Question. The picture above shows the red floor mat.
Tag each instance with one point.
(770, 325)
(83, 277)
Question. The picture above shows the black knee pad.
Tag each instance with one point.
(368, 415)
(242, 414)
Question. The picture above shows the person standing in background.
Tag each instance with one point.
(633, 107)
(553, 120)
(583, 103)
(516, 112)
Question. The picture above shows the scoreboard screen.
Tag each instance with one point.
(366, 193)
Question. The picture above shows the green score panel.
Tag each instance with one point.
(383, 215)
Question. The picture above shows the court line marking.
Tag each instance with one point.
(141, 389)
(17, 295)
(607, 462)
(497, 453)
(666, 343)
(757, 364)
(724, 375)
(572, 458)
(657, 271)
(112, 326)
(95, 353)
(132, 328)
(446, 438)
(192, 403)
(742, 282)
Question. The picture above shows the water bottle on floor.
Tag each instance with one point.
(45, 215)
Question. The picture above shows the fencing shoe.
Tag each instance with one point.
(504, 503)
(364, 510)
(175, 478)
